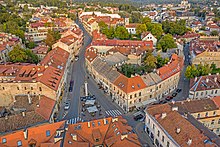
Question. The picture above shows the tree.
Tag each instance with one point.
(161, 61)
(156, 30)
(174, 28)
(166, 42)
(214, 33)
(121, 32)
(19, 54)
(136, 17)
(31, 45)
(146, 20)
(140, 29)
(52, 37)
(151, 61)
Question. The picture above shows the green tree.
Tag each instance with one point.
(151, 61)
(161, 61)
(52, 37)
(156, 30)
(17, 55)
(121, 32)
(31, 45)
(136, 17)
(146, 20)
(188, 73)
(140, 29)
(214, 33)
(166, 42)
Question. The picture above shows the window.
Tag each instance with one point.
(212, 92)
(213, 121)
(139, 100)
(206, 114)
(198, 116)
(4, 140)
(219, 121)
(149, 121)
(130, 96)
(163, 138)
(135, 95)
(48, 133)
(40, 89)
(216, 91)
(168, 143)
(19, 143)
(150, 96)
(158, 133)
(153, 126)
(3, 88)
(18, 88)
(99, 123)
(201, 93)
(31, 88)
(139, 93)
(197, 93)
(214, 113)
(130, 102)
(25, 88)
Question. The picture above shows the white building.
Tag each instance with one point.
(149, 37)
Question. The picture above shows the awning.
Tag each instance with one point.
(148, 101)
(90, 102)
(92, 109)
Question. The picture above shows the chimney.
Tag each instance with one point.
(23, 113)
(178, 130)
(207, 80)
(195, 79)
(215, 79)
(104, 121)
(124, 136)
(209, 74)
(189, 142)
(29, 99)
(174, 108)
(74, 137)
(217, 73)
(25, 134)
(114, 119)
(163, 115)
(88, 124)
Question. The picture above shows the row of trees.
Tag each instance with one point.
(120, 32)
(193, 71)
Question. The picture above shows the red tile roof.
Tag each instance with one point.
(175, 65)
(90, 54)
(129, 85)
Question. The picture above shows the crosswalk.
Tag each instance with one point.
(113, 113)
(74, 120)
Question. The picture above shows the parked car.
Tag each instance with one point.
(174, 94)
(169, 98)
(178, 90)
(162, 102)
(76, 58)
(138, 117)
(67, 106)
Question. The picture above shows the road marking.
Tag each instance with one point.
(107, 113)
(75, 120)
(118, 112)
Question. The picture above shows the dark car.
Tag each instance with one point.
(140, 116)
(174, 94)
(71, 86)
(162, 102)
(169, 98)
(178, 90)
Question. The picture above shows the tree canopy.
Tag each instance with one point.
(19, 54)
(140, 29)
(174, 28)
(166, 42)
(52, 37)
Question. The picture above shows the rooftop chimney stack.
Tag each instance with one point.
(163, 115)
(29, 99)
(195, 79)
(178, 130)
(215, 79)
(207, 80)
(174, 108)
(189, 142)
(25, 134)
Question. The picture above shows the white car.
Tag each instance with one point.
(67, 106)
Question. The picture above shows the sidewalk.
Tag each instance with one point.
(65, 94)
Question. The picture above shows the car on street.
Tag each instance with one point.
(178, 90)
(76, 58)
(66, 106)
(83, 99)
(168, 98)
(162, 102)
(138, 115)
(71, 86)
(174, 94)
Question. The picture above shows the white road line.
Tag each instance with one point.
(110, 113)
(75, 120)
(107, 113)
(118, 112)
(114, 113)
